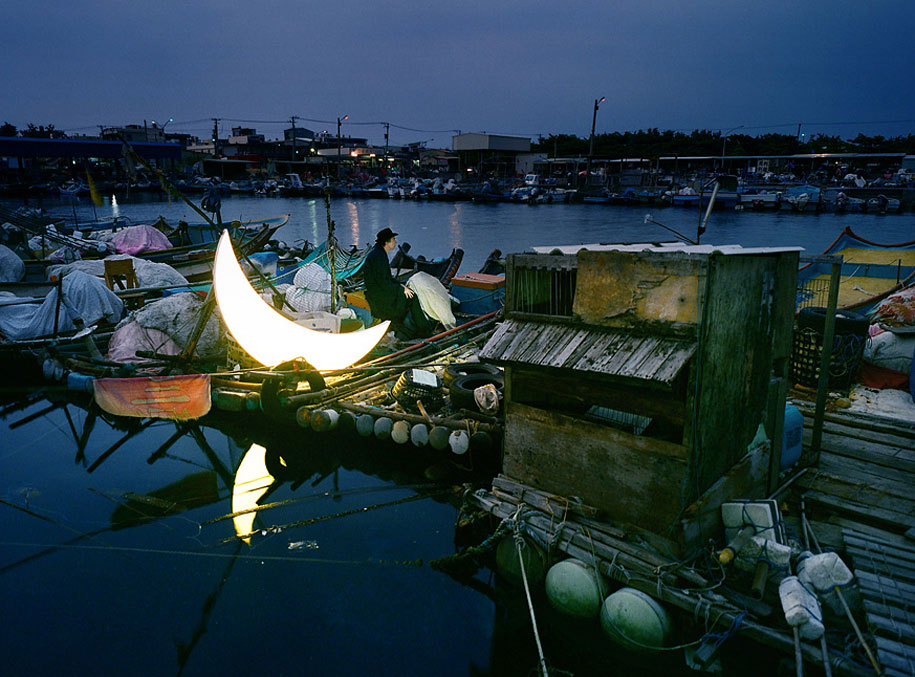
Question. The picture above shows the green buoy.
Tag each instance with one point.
(509, 566)
(635, 620)
(574, 588)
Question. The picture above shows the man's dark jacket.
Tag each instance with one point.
(384, 294)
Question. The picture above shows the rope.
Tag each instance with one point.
(519, 542)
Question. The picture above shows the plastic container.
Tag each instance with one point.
(479, 293)
(792, 436)
(801, 607)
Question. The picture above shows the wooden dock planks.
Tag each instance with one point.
(886, 579)
(866, 470)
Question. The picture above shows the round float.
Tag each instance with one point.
(635, 620)
(509, 565)
(573, 588)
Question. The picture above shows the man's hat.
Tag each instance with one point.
(384, 235)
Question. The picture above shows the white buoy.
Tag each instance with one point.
(400, 432)
(419, 435)
(383, 427)
(324, 420)
(365, 425)
(459, 442)
(635, 620)
(574, 588)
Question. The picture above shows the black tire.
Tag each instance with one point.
(461, 389)
(454, 371)
(847, 321)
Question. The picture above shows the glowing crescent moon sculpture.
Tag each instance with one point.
(271, 338)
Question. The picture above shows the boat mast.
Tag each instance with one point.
(331, 252)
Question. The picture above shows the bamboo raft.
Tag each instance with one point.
(858, 492)
(366, 388)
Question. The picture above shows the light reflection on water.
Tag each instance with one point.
(119, 534)
(433, 228)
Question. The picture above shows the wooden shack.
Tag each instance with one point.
(637, 376)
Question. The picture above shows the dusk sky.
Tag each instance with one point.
(523, 68)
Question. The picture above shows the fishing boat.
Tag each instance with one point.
(871, 271)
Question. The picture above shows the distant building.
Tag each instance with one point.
(489, 154)
(245, 136)
(134, 133)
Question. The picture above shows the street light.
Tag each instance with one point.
(163, 126)
(724, 140)
(597, 103)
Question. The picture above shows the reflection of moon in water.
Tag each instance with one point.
(271, 338)
(251, 482)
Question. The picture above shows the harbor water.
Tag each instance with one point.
(119, 554)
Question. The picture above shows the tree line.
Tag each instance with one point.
(649, 143)
(653, 142)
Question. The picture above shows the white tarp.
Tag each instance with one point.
(84, 297)
(433, 298)
(175, 316)
(12, 268)
(149, 273)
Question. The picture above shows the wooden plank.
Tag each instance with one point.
(887, 627)
(671, 367)
(861, 420)
(901, 621)
(841, 503)
(553, 389)
(860, 493)
(886, 586)
(875, 452)
(632, 479)
(879, 435)
(879, 538)
(538, 345)
(527, 334)
(557, 358)
(861, 472)
(496, 343)
(890, 567)
(895, 655)
(876, 549)
(612, 362)
(556, 338)
(651, 361)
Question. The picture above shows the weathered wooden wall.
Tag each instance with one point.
(632, 479)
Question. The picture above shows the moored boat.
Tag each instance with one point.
(871, 271)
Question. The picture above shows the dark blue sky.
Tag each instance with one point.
(512, 67)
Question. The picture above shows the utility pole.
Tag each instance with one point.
(597, 103)
(293, 118)
(387, 129)
(215, 137)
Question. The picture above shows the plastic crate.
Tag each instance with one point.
(806, 354)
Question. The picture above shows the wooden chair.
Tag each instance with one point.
(120, 275)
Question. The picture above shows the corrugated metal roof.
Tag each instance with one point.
(589, 349)
(728, 249)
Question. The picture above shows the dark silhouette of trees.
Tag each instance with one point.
(42, 132)
(652, 143)
(7, 129)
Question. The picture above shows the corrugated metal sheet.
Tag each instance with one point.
(594, 350)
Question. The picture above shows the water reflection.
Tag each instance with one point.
(353, 212)
(251, 482)
(455, 227)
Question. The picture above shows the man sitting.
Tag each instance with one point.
(388, 298)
